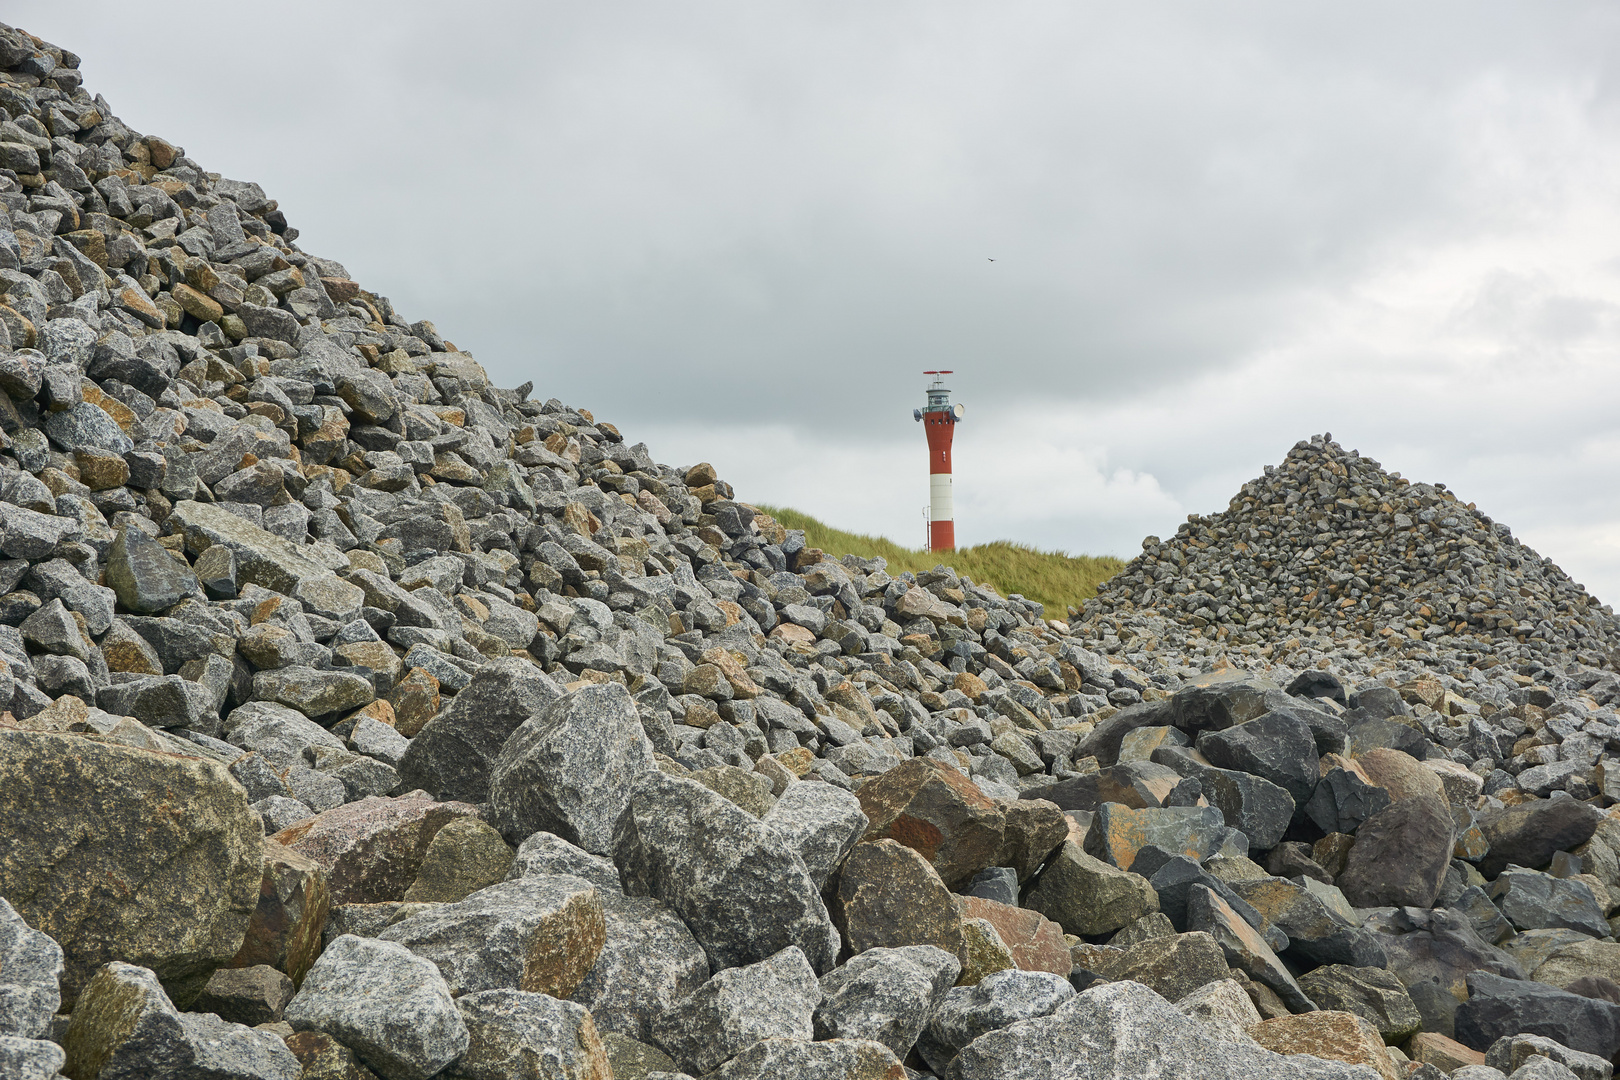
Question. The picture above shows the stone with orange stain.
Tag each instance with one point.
(372, 850)
(539, 933)
(1446, 1054)
(285, 931)
(889, 896)
(1332, 1036)
(793, 634)
(937, 812)
(741, 685)
(415, 700)
(970, 684)
(1118, 832)
(1036, 943)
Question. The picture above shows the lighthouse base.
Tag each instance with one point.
(942, 536)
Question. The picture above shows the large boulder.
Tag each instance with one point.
(819, 821)
(1124, 1031)
(774, 998)
(889, 896)
(1118, 832)
(388, 1005)
(1332, 1036)
(262, 558)
(145, 576)
(569, 769)
(1372, 993)
(124, 1027)
(742, 891)
(372, 850)
(452, 756)
(1530, 833)
(1256, 807)
(1087, 896)
(1173, 966)
(285, 931)
(1318, 932)
(648, 960)
(936, 811)
(1400, 855)
(463, 857)
(968, 1012)
(514, 1035)
(539, 934)
(1498, 1007)
(836, 1059)
(885, 995)
(126, 854)
(1278, 747)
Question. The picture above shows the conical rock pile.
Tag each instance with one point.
(1330, 544)
(359, 718)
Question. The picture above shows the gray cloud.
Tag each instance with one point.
(1216, 229)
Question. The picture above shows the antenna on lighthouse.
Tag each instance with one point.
(939, 419)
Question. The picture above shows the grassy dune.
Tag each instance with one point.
(1054, 578)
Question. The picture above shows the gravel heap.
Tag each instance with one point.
(1328, 545)
(364, 719)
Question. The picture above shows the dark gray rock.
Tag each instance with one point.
(85, 425)
(385, 1003)
(1498, 1007)
(774, 998)
(1400, 855)
(1343, 800)
(1532, 900)
(452, 757)
(744, 893)
(570, 769)
(30, 977)
(1278, 747)
(145, 576)
(248, 995)
(1530, 833)
(1256, 807)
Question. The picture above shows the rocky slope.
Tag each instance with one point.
(363, 719)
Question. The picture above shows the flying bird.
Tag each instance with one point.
(992, 260)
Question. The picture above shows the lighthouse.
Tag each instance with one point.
(939, 419)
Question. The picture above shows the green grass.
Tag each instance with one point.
(1054, 578)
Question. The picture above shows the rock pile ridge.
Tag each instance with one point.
(362, 719)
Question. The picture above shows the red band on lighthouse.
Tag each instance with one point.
(939, 420)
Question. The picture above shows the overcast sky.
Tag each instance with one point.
(741, 231)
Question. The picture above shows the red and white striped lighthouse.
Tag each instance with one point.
(939, 418)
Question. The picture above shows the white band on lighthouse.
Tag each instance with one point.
(939, 497)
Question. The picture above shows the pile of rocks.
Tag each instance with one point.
(1330, 546)
(362, 719)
